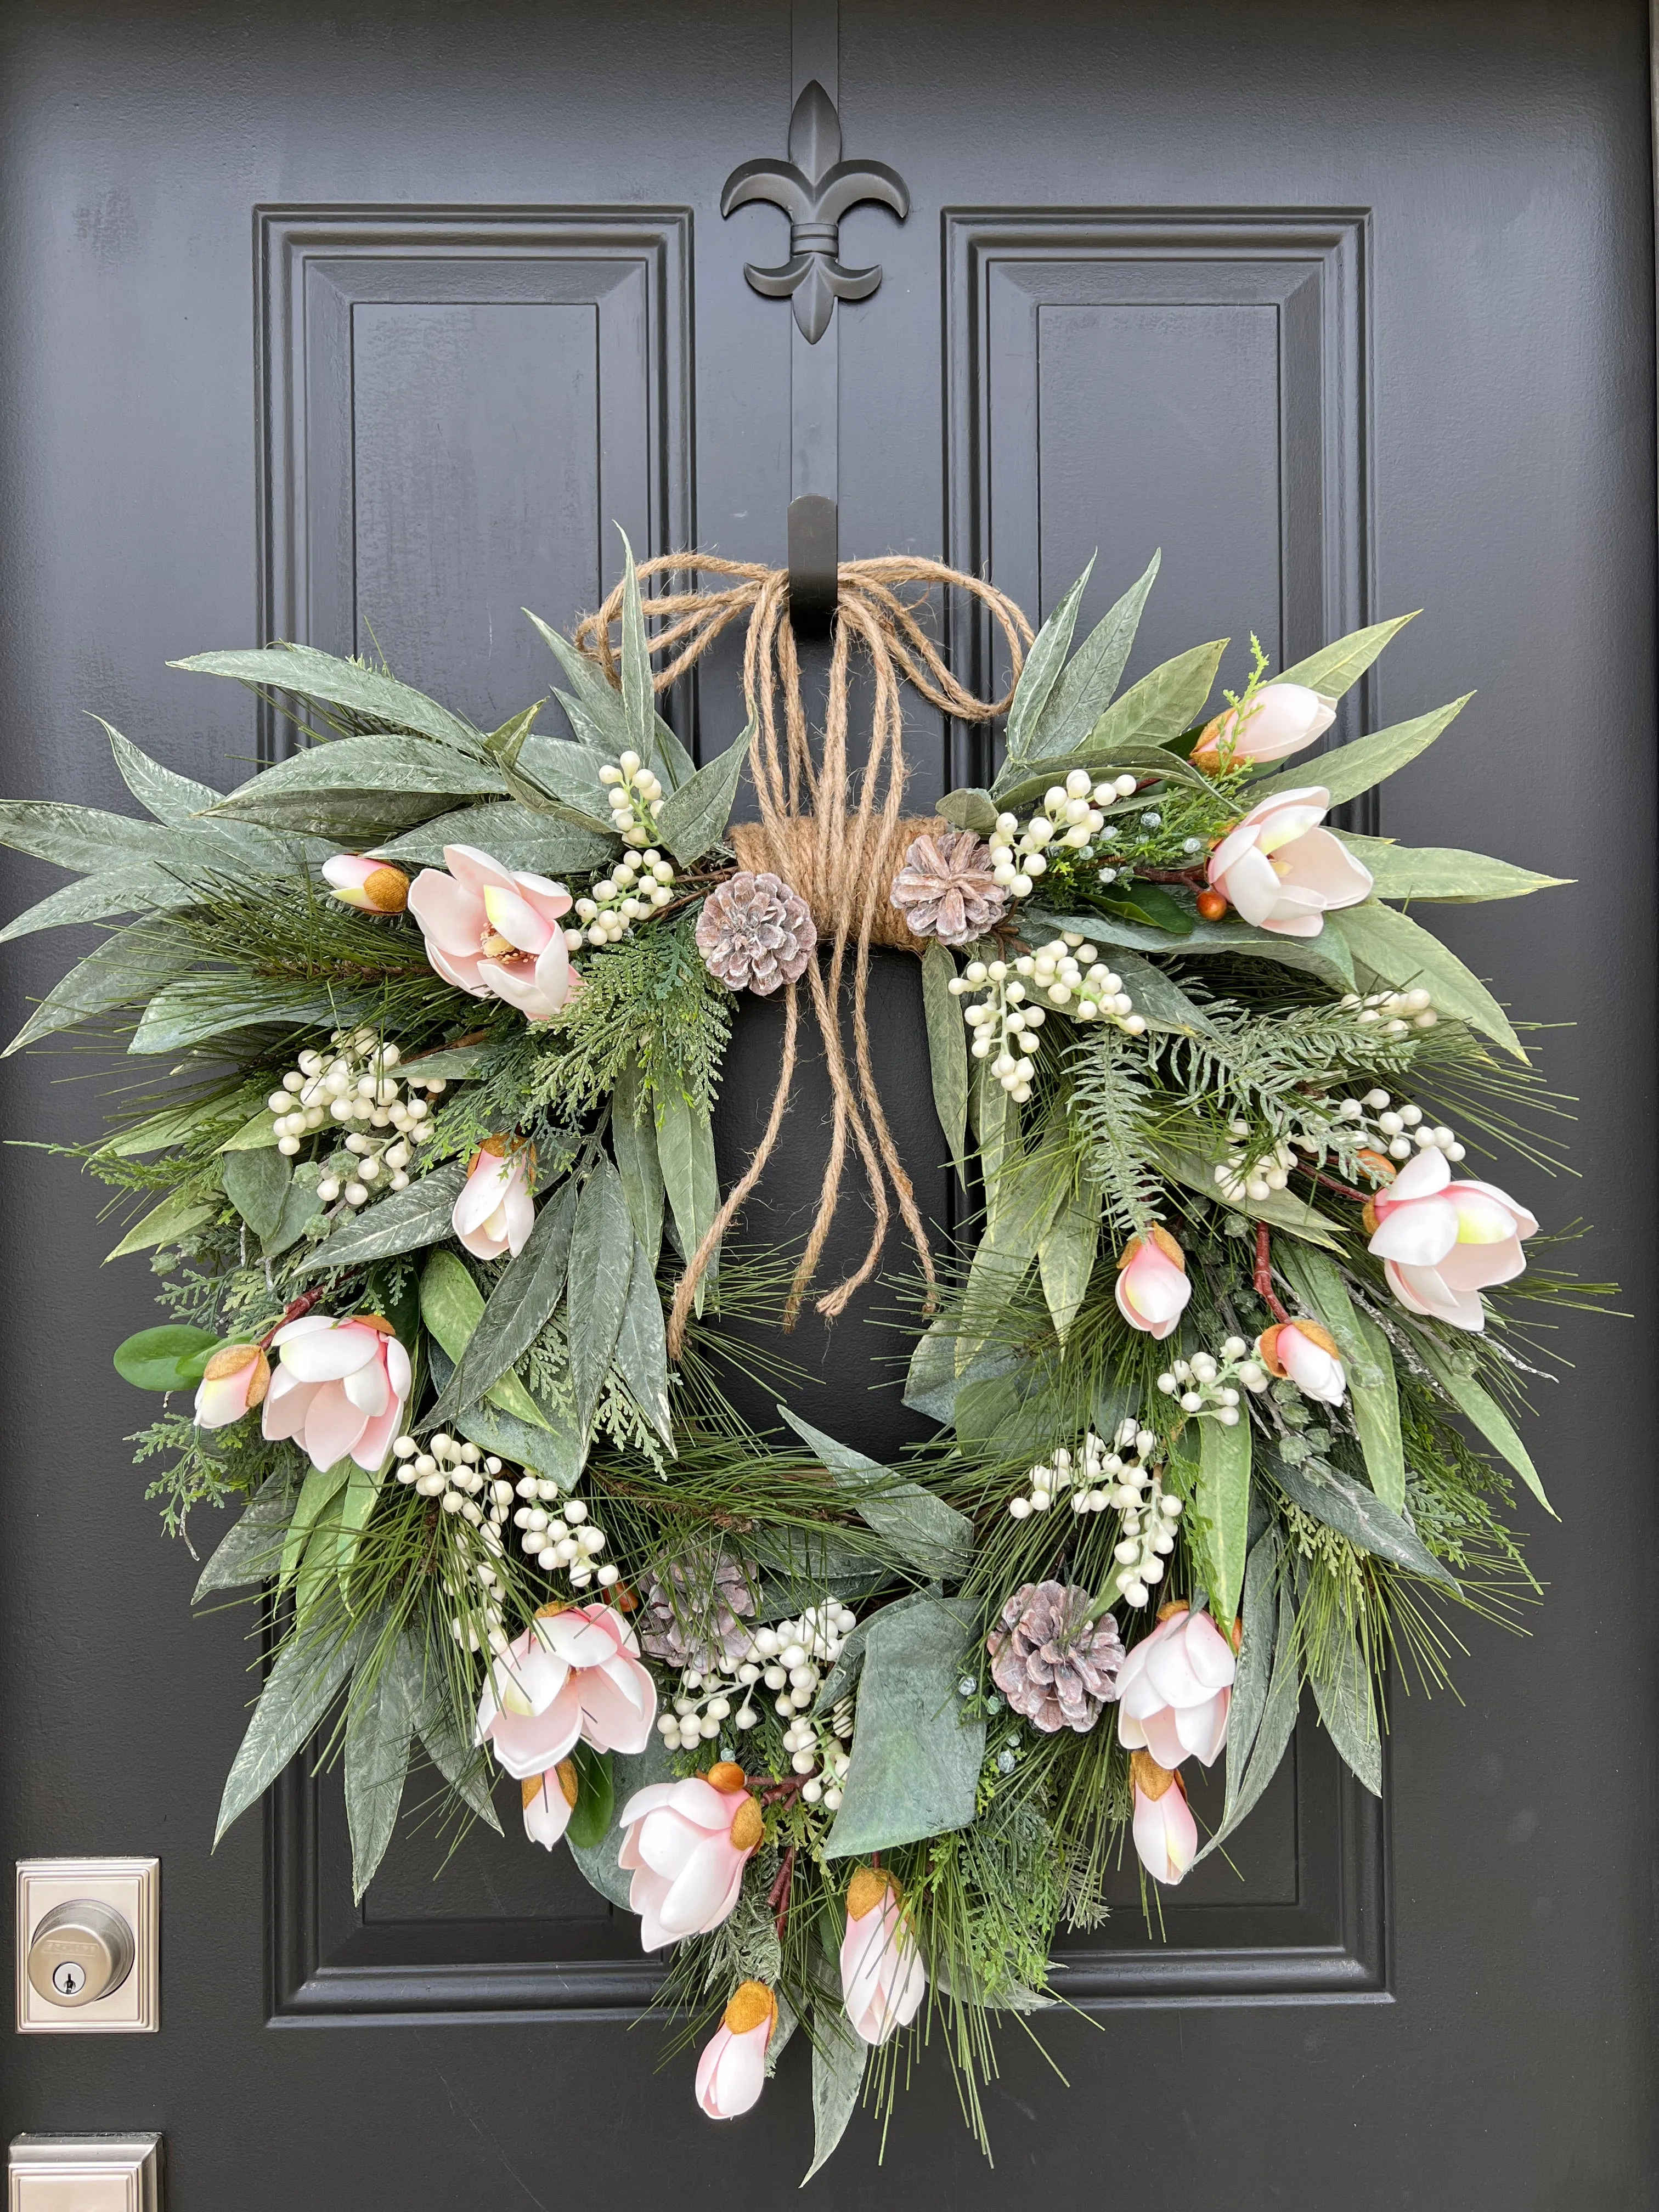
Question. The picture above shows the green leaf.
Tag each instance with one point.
(838, 2058)
(1484, 1413)
(1359, 1515)
(685, 1149)
(171, 1357)
(140, 887)
(1396, 952)
(1158, 997)
(379, 1725)
(930, 1534)
(253, 1551)
(947, 1051)
(539, 844)
(313, 675)
(1258, 1619)
(357, 1502)
(524, 1299)
(180, 1212)
(1325, 956)
(1348, 1709)
(256, 1183)
(257, 1134)
(403, 1221)
(1370, 1366)
(298, 1690)
(1161, 706)
(1024, 1197)
(638, 691)
(84, 838)
(452, 1306)
(321, 1486)
(554, 776)
(1042, 666)
(1280, 1209)
(1437, 872)
(1222, 1503)
(968, 809)
(596, 1797)
(446, 1739)
(642, 1349)
(694, 816)
(1334, 668)
(630, 1772)
(453, 1063)
(1278, 1720)
(380, 784)
(1066, 1257)
(160, 791)
(1151, 904)
(1353, 769)
(634, 1141)
(601, 1266)
(301, 1210)
(1087, 682)
(915, 1759)
(125, 969)
(199, 1008)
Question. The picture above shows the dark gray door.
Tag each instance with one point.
(316, 319)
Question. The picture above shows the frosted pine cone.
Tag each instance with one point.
(946, 890)
(1052, 1664)
(693, 1611)
(754, 932)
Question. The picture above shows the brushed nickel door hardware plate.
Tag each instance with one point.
(88, 1946)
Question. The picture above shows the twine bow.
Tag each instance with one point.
(837, 839)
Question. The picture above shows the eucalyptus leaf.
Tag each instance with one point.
(1348, 1709)
(1066, 1257)
(403, 1221)
(1158, 997)
(1042, 666)
(161, 792)
(257, 1134)
(694, 816)
(302, 1210)
(197, 1009)
(601, 1266)
(525, 1297)
(915, 1759)
(1369, 1364)
(126, 969)
(302, 792)
(180, 1212)
(314, 675)
(517, 837)
(932, 1535)
(1325, 956)
(451, 1063)
(1359, 1515)
(138, 887)
(256, 1183)
(969, 809)
(1087, 682)
(1222, 1503)
(552, 775)
(299, 1690)
(1437, 872)
(251, 1552)
(634, 1142)
(1484, 1413)
(599, 698)
(452, 1306)
(84, 838)
(379, 1723)
(1162, 705)
(838, 2059)
(685, 1150)
(1353, 769)
(947, 1051)
(1393, 949)
(1336, 667)
(641, 1351)
(1258, 1619)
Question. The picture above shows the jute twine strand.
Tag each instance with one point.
(837, 839)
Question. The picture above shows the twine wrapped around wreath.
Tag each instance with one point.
(837, 839)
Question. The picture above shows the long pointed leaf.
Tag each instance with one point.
(377, 1746)
(524, 1298)
(694, 816)
(947, 1051)
(298, 1690)
(313, 675)
(642, 1350)
(1370, 1366)
(1398, 951)
(1485, 1414)
(601, 1266)
(1353, 769)
(1087, 682)
(1042, 666)
(1337, 667)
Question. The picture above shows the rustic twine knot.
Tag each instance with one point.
(838, 839)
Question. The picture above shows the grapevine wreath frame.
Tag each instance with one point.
(1227, 1378)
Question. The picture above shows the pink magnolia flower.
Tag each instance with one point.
(233, 1383)
(574, 1675)
(1443, 1243)
(1282, 719)
(731, 2072)
(496, 934)
(374, 885)
(494, 1213)
(550, 1799)
(1151, 1283)
(1174, 1689)
(1165, 1832)
(883, 1979)
(1283, 872)
(340, 1387)
(1308, 1354)
(686, 1847)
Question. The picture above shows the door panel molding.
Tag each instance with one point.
(607, 338)
(1277, 295)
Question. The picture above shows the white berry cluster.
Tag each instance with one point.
(1071, 816)
(786, 1658)
(475, 1490)
(564, 1538)
(1071, 976)
(632, 892)
(1090, 1475)
(1003, 1024)
(353, 1087)
(1398, 1012)
(637, 797)
(1400, 1127)
(818, 1752)
(1148, 1527)
(1238, 1177)
(1208, 1384)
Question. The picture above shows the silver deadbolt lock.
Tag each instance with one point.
(81, 1952)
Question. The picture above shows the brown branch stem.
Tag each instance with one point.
(1263, 1276)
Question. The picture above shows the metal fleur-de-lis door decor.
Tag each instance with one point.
(815, 188)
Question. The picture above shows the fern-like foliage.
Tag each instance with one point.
(1113, 1106)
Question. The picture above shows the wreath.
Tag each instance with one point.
(1226, 1376)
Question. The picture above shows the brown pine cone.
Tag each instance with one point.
(1053, 1664)
(946, 890)
(755, 933)
(694, 1609)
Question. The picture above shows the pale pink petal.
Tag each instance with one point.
(1164, 1737)
(333, 1425)
(1481, 1217)
(1525, 1223)
(1287, 820)
(1418, 1235)
(521, 1215)
(512, 916)
(614, 1715)
(1209, 1654)
(451, 918)
(547, 1815)
(399, 1373)
(516, 986)
(461, 972)
(1250, 882)
(1323, 864)
(375, 1441)
(697, 1898)
(287, 1403)
(330, 1357)
(1203, 1728)
(1166, 1834)
(1424, 1292)
(1481, 1267)
(369, 1389)
(528, 1745)
(647, 1801)
(1420, 1177)
(550, 899)
(485, 1186)
(306, 1325)
(665, 1841)
(579, 1640)
(474, 871)
(553, 972)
